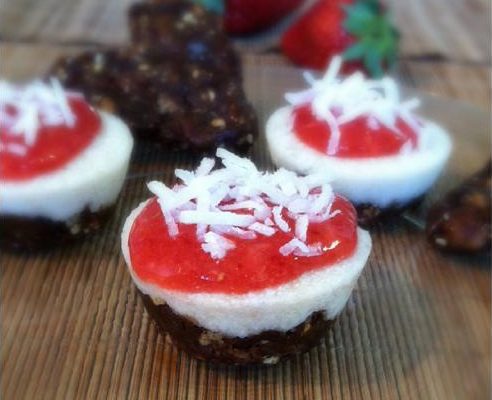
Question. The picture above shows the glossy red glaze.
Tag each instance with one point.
(55, 146)
(180, 264)
(357, 138)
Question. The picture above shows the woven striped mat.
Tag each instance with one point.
(416, 326)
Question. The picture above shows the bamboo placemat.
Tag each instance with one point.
(454, 29)
(416, 327)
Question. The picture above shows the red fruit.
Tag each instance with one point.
(357, 29)
(249, 16)
(318, 35)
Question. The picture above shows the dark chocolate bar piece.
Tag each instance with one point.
(460, 222)
(267, 347)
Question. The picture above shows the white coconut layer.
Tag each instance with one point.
(280, 308)
(381, 181)
(93, 179)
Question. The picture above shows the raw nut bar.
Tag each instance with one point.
(178, 83)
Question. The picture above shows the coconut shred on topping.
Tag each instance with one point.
(240, 202)
(338, 100)
(25, 109)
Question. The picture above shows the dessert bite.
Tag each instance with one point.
(373, 147)
(62, 165)
(177, 84)
(240, 266)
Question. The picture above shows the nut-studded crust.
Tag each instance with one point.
(460, 222)
(267, 347)
(178, 83)
(19, 233)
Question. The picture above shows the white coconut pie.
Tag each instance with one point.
(240, 266)
(62, 164)
(372, 147)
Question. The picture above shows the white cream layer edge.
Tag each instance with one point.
(93, 179)
(280, 308)
(381, 181)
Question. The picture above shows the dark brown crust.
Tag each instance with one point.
(460, 221)
(178, 84)
(267, 347)
(368, 214)
(33, 234)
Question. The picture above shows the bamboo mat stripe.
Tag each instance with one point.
(455, 29)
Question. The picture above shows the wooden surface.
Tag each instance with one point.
(416, 327)
(458, 30)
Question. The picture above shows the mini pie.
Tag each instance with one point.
(240, 266)
(372, 147)
(62, 165)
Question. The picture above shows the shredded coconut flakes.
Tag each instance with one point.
(237, 202)
(24, 109)
(339, 100)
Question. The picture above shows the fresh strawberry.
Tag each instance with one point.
(243, 17)
(358, 29)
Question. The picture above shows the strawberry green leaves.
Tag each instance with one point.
(376, 38)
